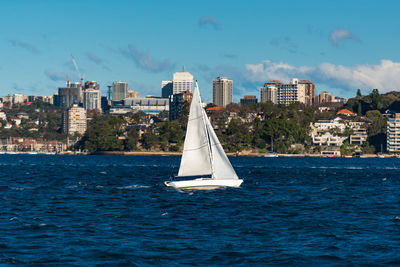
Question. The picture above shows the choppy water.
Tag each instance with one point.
(114, 210)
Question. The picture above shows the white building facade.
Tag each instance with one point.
(182, 81)
(269, 93)
(119, 90)
(92, 99)
(74, 120)
(393, 134)
(222, 91)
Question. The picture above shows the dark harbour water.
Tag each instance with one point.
(115, 210)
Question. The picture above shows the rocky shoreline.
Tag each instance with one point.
(240, 154)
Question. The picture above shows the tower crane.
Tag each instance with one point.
(77, 70)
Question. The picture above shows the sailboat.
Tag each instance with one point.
(271, 154)
(380, 155)
(204, 164)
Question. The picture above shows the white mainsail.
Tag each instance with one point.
(196, 159)
(202, 152)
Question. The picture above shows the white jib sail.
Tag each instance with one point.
(195, 159)
(221, 165)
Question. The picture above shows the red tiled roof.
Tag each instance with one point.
(216, 108)
(345, 111)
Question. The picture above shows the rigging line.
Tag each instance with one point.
(215, 144)
(191, 149)
(207, 124)
(199, 117)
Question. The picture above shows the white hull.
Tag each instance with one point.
(203, 183)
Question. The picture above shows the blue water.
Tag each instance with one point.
(115, 210)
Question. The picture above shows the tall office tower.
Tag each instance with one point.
(248, 99)
(92, 99)
(324, 97)
(74, 120)
(166, 89)
(119, 90)
(308, 88)
(182, 81)
(69, 96)
(393, 134)
(176, 103)
(222, 91)
(270, 91)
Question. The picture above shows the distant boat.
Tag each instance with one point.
(348, 156)
(271, 154)
(380, 155)
(204, 164)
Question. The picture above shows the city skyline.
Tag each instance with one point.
(340, 46)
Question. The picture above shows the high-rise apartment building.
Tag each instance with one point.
(92, 99)
(288, 93)
(393, 134)
(270, 91)
(324, 97)
(19, 98)
(119, 90)
(296, 90)
(182, 81)
(308, 88)
(68, 96)
(166, 89)
(176, 104)
(74, 120)
(222, 91)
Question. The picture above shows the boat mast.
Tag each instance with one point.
(209, 144)
(208, 135)
(272, 144)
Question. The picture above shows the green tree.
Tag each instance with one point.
(149, 140)
(132, 139)
(376, 129)
(102, 135)
(358, 93)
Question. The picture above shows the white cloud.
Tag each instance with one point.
(385, 76)
(276, 71)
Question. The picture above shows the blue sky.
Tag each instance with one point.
(340, 45)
